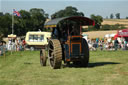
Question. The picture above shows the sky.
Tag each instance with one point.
(88, 7)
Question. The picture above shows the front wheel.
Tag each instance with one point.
(43, 57)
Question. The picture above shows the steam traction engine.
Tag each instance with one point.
(66, 42)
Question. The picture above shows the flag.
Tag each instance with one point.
(16, 13)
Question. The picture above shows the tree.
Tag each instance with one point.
(98, 20)
(68, 11)
(111, 16)
(32, 20)
(38, 17)
(22, 24)
(126, 17)
(5, 24)
(47, 16)
(1, 14)
(117, 15)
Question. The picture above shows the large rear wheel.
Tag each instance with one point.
(85, 51)
(55, 53)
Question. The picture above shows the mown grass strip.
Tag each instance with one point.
(105, 68)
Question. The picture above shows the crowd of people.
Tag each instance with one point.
(104, 44)
(16, 44)
(12, 45)
(94, 44)
(2, 47)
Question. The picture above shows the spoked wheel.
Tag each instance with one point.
(85, 51)
(55, 53)
(43, 57)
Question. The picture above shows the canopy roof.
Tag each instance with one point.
(83, 20)
(11, 36)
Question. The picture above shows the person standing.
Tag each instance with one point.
(116, 44)
(125, 45)
(97, 42)
(23, 44)
(10, 44)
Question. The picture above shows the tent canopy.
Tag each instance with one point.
(83, 20)
(123, 33)
(11, 36)
(115, 36)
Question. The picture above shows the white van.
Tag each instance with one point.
(37, 40)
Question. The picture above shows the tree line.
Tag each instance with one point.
(29, 21)
(34, 19)
(117, 15)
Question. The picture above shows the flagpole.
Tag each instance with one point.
(12, 29)
(12, 22)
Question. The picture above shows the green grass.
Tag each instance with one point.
(105, 68)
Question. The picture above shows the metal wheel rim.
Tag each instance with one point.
(51, 54)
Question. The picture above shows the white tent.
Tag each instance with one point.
(107, 36)
(11, 36)
(112, 35)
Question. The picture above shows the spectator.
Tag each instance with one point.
(125, 45)
(97, 41)
(122, 45)
(101, 45)
(0, 48)
(10, 44)
(23, 44)
(116, 44)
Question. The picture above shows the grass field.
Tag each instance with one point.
(115, 21)
(101, 34)
(105, 68)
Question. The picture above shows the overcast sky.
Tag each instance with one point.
(88, 7)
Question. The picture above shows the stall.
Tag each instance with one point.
(123, 33)
(11, 36)
(123, 36)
